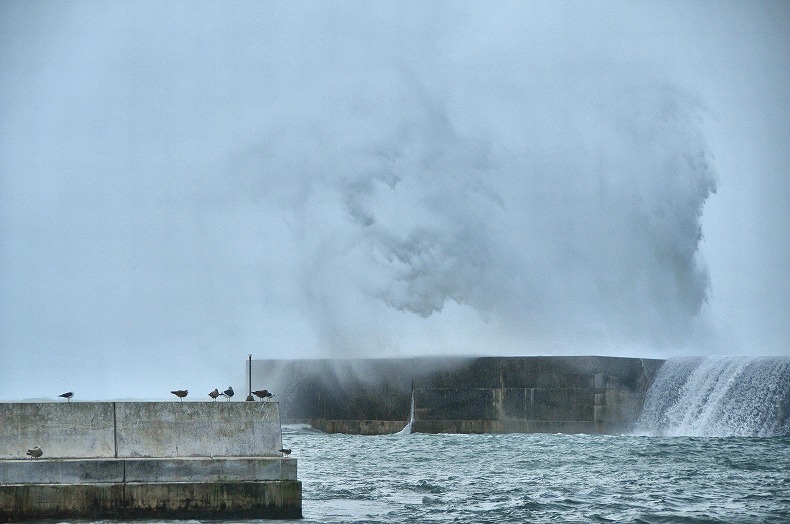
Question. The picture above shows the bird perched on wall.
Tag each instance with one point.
(285, 451)
(67, 396)
(263, 393)
(228, 392)
(180, 393)
(214, 394)
(35, 452)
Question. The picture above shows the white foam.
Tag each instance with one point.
(743, 396)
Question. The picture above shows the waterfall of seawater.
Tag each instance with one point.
(407, 430)
(740, 396)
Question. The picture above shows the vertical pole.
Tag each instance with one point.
(249, 378)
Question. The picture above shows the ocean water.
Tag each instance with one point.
(714, 447)
(540, 478)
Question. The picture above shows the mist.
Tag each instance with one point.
(184, 184)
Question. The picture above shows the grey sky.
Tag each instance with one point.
(185, 183)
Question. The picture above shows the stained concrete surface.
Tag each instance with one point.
(185, 500)
(140, 429)
(153, 460)
(582, 394)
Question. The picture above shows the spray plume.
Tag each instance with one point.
(220, 181)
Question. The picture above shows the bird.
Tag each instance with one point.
(228, 392)
(180, 393)
(67, 396)
(263, 393)
(35, 452)
(285, 451)
(214, 394)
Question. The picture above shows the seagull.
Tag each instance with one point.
(35, 452)
(228, 392)
(263, 393)
(285, 451)
(67, 396)
(180, 393)
(214, 394)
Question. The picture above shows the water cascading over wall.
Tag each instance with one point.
(737, 396)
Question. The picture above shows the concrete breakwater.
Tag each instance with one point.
(462, 394)
(148, 460)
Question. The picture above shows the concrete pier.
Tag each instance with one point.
(152, 460)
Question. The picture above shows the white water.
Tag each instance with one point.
(407, 430)
(719, 397)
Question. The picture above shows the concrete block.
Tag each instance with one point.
(60, 471)
(209, 470)
(61, 429)
(515, 402)
(140, 429)
(562, 405)
(75, 471)
(198, 429)
(456, 403)
(213, 500)
(225, 500)
(19, 502)
(151, 460)
(621, 408)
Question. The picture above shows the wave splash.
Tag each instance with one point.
(739, 396)
(407, 430)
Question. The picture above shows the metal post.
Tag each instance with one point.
(249, 378)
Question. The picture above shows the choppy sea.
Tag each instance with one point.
(711, 457)
(540, 478)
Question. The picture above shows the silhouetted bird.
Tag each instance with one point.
(263, 393)
(214, 394)
(35, 452)
(285, 451)
(67, 396)
(228, 392)
(180, 393)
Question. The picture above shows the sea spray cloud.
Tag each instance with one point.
(589, 226)
(190, 185)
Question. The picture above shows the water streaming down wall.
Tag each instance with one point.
(738, 396)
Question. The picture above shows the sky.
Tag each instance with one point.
(186, 183)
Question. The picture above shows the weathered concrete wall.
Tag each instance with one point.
(179, 500)
(193, 429)
(75, 471)
(67, 471)
(140, 429)
(462, 395)
(359, 427)
(153, 460)
(67, 429)
(534, 394)
(209, 470)
(346, 389)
